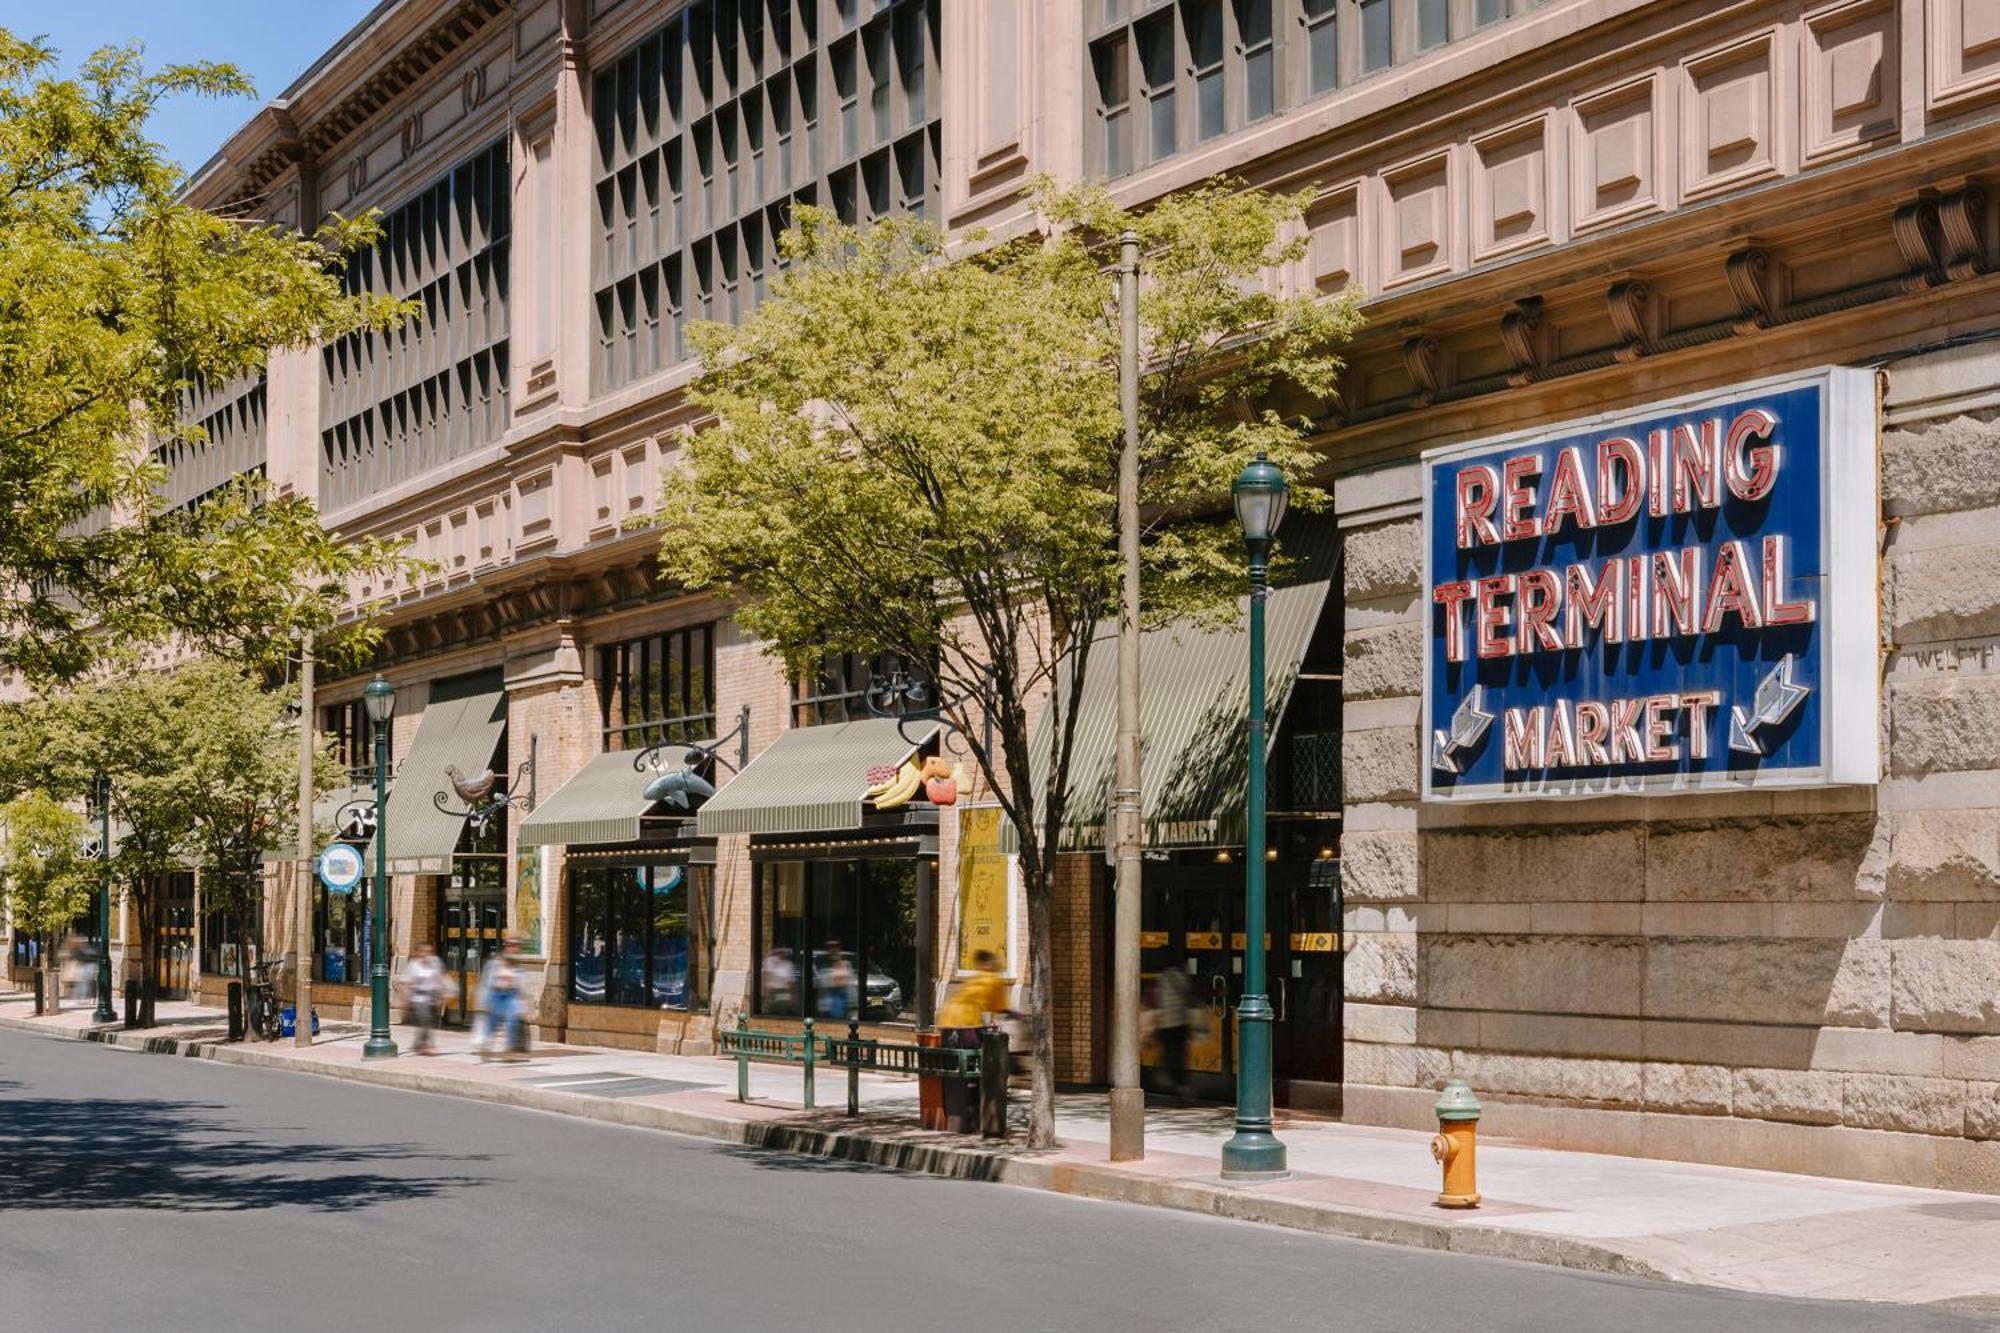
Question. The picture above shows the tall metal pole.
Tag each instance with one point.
(104, 1013)
(380, 1045)
(302, 871)
(1254, 1153)
(1128, 1099)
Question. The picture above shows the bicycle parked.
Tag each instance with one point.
(261, 1000)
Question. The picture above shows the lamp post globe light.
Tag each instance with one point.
(104, 1012)
(380, 699)
(1254, 1152)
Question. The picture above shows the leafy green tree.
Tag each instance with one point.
(45, 880)
(117, 300)
(916, 453)
(202, 763)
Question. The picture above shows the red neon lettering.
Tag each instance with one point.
(1593, 605)
(1478, 492)
(1540, 597)
(1751, 474)
(1656, 474)
(1660, 745)
(1698, 703)
(1569, 494)
(1495, 616)
(1626, 748)
(1559, 751)
(1452, 596)
(1730, 589)
(1778, 611)
(1523, 748)
(1592, 728)
(1619, 497)
(1676, 584)
(1697, 466)
(1515, 520)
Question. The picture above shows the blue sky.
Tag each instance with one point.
(270, 40)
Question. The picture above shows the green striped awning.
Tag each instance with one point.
(1194, 706)
(602, 803)
(460, 727)
(810, 779)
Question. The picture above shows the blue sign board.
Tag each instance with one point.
(1680, 597)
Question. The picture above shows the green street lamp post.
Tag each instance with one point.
(380, 698)
(1254, 1152)
(104, 1012)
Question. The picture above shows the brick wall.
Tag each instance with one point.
(1077, 925)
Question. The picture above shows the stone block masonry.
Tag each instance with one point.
(1813, 975)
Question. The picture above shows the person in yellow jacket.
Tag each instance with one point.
(978, 993)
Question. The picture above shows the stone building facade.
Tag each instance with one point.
(1552, 209)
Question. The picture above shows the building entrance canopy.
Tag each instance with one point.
(460, 728)
(603, 803)
(1194, 705)
(811, 779)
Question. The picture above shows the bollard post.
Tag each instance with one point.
(993, 1070)
(235, 993)
(810, 1042)
(854, 1066)
(742, 1059)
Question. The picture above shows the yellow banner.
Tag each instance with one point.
(982, 885)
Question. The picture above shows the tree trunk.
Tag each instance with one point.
(1042, 1098)
(149, 945)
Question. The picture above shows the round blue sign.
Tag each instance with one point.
(339, 867)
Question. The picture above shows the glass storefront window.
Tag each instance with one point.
(342, 937)
(640, 935)
(856, 921)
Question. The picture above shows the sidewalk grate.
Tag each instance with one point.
(610, 1084)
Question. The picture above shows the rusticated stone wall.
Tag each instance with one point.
(1806, 981)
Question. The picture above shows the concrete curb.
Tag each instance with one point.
(1083, 1179)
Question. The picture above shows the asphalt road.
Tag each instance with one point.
(146, 1193)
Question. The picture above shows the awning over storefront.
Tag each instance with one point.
(602, 803)
(811, 778)
(460, 728)
(1194, 703)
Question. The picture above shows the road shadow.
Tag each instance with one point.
(181, 1156)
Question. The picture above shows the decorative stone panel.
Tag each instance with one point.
(1730, 122)
(1417, 227)
(1616, 154)
(1964, 64)
(1852, 94)
(1511, 191)
(1333, 230)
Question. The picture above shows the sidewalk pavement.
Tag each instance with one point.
(1748, 1230)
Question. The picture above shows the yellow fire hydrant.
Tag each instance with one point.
(1452, 1146)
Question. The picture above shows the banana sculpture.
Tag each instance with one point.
(890, 787)
(898, 788)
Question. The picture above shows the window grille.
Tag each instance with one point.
(398, 404)
(709, 133)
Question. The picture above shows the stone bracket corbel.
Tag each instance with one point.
(1961, 214)
(1754, 279)
(1526, 336)
(1917, 236)
(1630, 301)
(1423, 357)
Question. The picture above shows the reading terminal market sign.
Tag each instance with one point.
(1677, 598)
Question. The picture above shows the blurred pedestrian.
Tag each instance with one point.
(1172, 1019)
(430, 989)
(838, 983)
(500, 1001)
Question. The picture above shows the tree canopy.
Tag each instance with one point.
(45, 878)
(202, 765)
(117, 301)
(915, 452)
